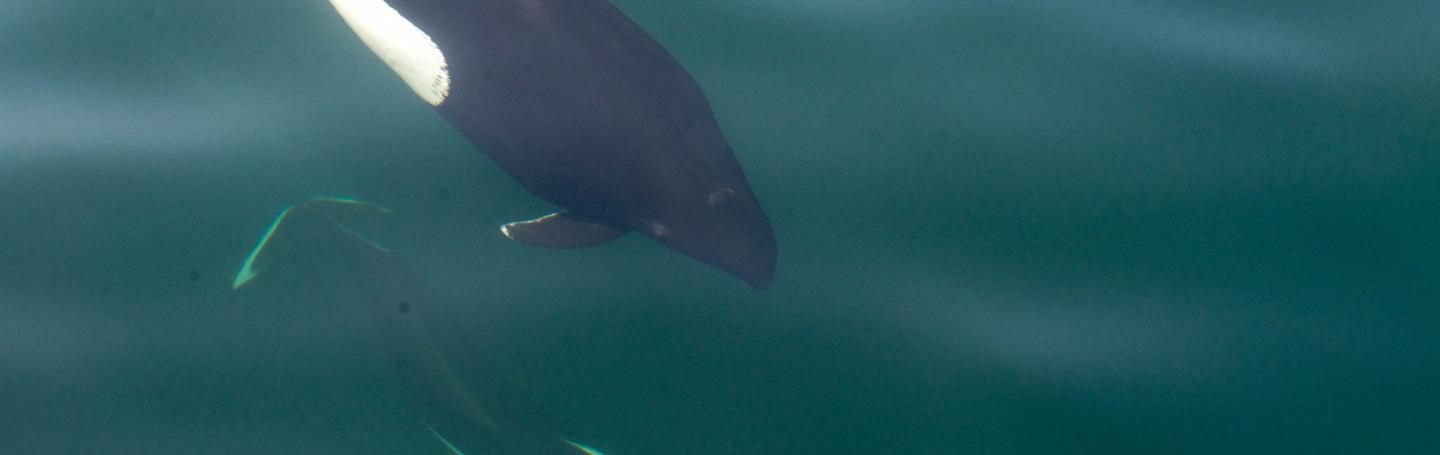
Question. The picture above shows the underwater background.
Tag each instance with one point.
(1029, 226)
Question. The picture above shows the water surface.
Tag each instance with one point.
(1005, 227)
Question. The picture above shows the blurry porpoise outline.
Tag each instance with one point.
(585, 110)
(467, 406)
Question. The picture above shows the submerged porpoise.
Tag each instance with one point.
(468, 406)
(585, 110)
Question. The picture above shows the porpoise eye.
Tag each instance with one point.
(720, 197)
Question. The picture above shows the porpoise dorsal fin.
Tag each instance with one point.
(561, 230)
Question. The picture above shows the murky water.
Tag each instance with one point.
(1005, 227)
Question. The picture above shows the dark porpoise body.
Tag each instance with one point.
(585, 110)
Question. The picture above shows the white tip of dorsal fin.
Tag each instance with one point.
(408, 50)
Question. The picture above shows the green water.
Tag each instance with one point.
(1005, 227)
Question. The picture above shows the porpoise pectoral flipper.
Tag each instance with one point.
(561, 230)
(460, 392)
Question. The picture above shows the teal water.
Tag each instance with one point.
(1005, 227)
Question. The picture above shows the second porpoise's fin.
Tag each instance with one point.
(561, 230)
(582, 448)
(266, 251)
(299, 224)
(336, 206)
(446, 442)
(340, 209)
